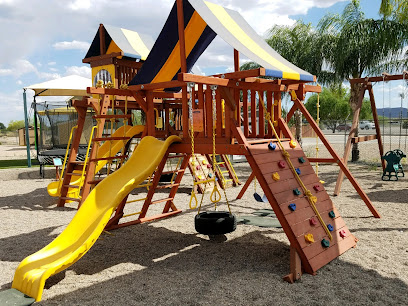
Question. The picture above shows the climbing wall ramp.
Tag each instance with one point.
(307, 234)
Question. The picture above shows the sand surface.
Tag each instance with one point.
(168, 263)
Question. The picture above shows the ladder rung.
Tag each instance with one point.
(71, 186)
(174, 171)
(167, 186)
(176, 156)
(110, 138)
(74, 174)
(77, 162)
(70, 199)
(94, 182)
(229, 180)
(111, 116)
(109, 158)
(161, 200)
(226, 171)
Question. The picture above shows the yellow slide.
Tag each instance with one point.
(91, 218)
(106, 150)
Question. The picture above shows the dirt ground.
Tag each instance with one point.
(168, 263)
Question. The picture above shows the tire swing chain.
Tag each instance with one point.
(310, 197)
(193, 198)
(215, 196)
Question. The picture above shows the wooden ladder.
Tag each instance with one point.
(169, 207)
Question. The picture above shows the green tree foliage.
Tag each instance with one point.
(14, 125)
(395, 9)
(2, 126)
(334, 107)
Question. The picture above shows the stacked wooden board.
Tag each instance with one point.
(280, 186)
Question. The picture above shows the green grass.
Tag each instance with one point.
(17, 163)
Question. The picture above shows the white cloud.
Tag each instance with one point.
(71, 45)
(18, 68)
(19, 82)
(52, 63)
(84, 71)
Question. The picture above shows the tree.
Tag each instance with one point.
(395, 9)
(2, 126)
(354, 46)
(14, 125)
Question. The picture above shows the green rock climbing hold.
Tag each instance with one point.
(332, 214)
(325, 243)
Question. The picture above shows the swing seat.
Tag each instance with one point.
(393, 159)
(215, 222)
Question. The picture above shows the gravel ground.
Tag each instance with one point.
(168, 263)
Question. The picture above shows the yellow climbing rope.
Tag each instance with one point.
(311, 198)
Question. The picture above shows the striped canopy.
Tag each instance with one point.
(204, 20)
(133, 44)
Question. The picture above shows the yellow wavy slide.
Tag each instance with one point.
(106, 150)
(91, 218)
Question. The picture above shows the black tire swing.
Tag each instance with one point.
(210, 222)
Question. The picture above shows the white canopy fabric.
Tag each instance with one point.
(73, 85)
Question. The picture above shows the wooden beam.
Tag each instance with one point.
(245, 187)
(101, 39)
(236, 60)
(187, 77)
(242, 74)
(102, 57)
(384, 78)
(321, 160)
(339, 161)
(182, 44)
(153, 86)
(363, 138)
(347, 149)
(231, 149)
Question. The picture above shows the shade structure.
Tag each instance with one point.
(204, 20)
(132, 44)
(73, 85)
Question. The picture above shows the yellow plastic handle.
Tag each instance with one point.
(193, 197)
(214, 194)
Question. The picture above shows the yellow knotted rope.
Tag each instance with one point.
(311, 198)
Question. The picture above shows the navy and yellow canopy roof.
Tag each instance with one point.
(203, 21)
(134, 45)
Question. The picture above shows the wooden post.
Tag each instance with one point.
(347, 149)
(377, 125)
(180, 20)
(236, 60)
(102, 39)
(334, 154)
(245, 187)
(295, 266)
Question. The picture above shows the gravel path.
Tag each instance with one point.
(168, 263)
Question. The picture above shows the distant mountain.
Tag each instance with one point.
(395, 112)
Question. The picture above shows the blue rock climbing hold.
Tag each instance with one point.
(298, 171)
(330, 227)
(292, 206)
(271, 146)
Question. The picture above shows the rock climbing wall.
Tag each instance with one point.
(295, 213)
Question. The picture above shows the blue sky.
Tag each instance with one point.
(46, 39)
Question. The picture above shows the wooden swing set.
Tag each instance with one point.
(251, 120)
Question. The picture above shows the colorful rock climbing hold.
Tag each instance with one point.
(209, 166)
(296, 191)
(292, 206)
(271, 146)
(275, 176)
(313, 221)
(309, 238)
(301, 160)
(205, 162)
(325, 243)
(317, 187)
(330, 227)
(198, 167)
(292, 144)
(298, 171)
(200, 177)
(281, 164)
(210, 175)
(332, 214)
(343, 233)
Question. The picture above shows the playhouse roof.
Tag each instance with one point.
(73, 85)
(132, 44)
(203, 21)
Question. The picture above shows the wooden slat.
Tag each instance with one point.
(253, 114)
(261, 117)
(363, 138)
(269, 103)
(219, 114)
(245, 112)
(227, 118)
(208, 111)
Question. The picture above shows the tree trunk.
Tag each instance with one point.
(298, 126)
(354, 96)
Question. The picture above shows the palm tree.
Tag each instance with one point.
(355, 46)
(397, 9)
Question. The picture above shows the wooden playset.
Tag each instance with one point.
(250, 125)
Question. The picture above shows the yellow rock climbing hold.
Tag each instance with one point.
(276, 176)
(309, 238)
(292, 144)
